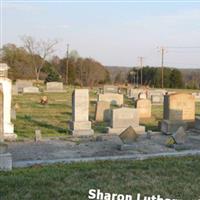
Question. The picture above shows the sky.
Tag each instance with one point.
(114, 33)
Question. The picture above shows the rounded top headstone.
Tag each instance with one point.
(142, 95)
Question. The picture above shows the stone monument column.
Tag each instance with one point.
(6, 89)
(80, 124)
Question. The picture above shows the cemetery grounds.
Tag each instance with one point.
(170, 177)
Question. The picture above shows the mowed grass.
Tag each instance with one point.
(175, 178)
(53, 118)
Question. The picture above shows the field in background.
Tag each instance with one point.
(52, 118)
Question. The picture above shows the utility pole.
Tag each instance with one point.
(141, 66)
(67, 62)
(162, 50)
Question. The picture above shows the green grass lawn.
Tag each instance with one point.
(169, 177)
(52, 119)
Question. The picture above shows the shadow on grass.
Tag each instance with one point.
(42, 124)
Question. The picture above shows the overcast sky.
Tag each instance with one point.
(114, 33)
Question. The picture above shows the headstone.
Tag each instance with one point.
(14, 90)
(1, 115)
(20, 84)
(30, 90)
(157, 99)
(180, 136)
(197, 122)
(134, 93)
(5, 158)
(196, 96)
(110, 89)
(179, 110)
(122, 118)
(80, 124)
(144, 108)
(102, 111)
(38, 135)
(54, 87)
(142, 95)
(114, 99)
(6, 96)
(128, 136)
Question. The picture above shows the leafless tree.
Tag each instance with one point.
(39, 52)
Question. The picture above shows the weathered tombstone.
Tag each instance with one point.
(112, 98)
(122, 118)
(38, 135)
(197, 96)
(180, 136)
(110, 89)
(80, 124)
(30, 90)
(20, 84)
(6, 89)
(134, 93)
(54, 87)
(102, 111)
(197, 122)
(142, 95)
(1, 115)
(5, 158)
(128, 136)
(14, 90)
(144, 108)
(157, 99)
(179, 110)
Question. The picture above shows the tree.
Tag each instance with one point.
(39, 52)
(176, 79)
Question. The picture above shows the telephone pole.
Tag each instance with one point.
(67, 62)
(162, 50)
(141, 66)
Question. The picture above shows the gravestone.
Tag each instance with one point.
(128, 136)
(180, 136)
(122, 118)
(6, 89)
(157, 99)
(112, 98)
(197, 96)
(5, 158)
(1, 115)
(134, 93)
(54, 87)
(14, 90)
(197, 122)
(179, 110)
(38, 135)
(110, 89)
(144, 108)
(20, 84)
(142, 95)
(80, 124)
(102, 111)
(30, 90)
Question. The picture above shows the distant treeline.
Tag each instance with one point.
(152, 76)
(34, 60)
(26, 64)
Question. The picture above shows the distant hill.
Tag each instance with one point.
(189, 75)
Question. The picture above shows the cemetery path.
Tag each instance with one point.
(91, 148)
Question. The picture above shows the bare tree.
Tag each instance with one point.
(39, 52)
